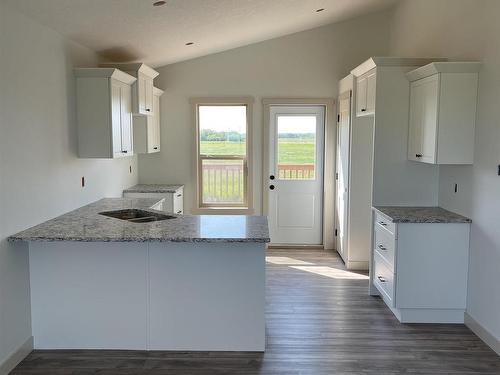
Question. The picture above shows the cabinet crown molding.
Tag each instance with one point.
(105, 73)
(133, 67)
(157, 91)
(374, 62)
(444, 67)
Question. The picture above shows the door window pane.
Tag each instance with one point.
(296, 147)
(223, 181)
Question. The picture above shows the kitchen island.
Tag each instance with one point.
(183, 283)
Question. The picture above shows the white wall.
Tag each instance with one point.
(39, 170)
(306, 64)
(467, 29)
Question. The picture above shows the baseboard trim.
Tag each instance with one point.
(16, 356)
(482, 333)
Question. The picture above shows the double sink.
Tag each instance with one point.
(133, 215)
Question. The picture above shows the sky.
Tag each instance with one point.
(233, 118)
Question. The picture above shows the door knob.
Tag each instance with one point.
(271, 187)
(271, 177)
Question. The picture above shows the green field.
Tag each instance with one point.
(223, 180)
(290, 151)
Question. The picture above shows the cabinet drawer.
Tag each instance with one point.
(384, 222)
(383, 278)
(384, 244)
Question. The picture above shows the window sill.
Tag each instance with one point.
(223, 211)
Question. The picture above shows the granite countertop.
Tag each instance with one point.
(86, 224)
(402, 214)
(153, 188)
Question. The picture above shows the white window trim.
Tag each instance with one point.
(199, 207)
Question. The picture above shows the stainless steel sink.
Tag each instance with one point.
(134, 215)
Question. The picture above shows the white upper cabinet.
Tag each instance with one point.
(365, 97)
(443, 98)
(142, 89)
(147, 128)
(104, 112)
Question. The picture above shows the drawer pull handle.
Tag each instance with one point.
(382, 223)
(179, 195)
(179, 212)
(382, 247)
(382, 279)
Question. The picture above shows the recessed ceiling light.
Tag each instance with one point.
(189, 43)
(159, 3)
(320, 10)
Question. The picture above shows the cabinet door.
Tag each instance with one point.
(148, 95)
(156, 123)
(126, 119)
(370, 92)
(141, 93)
(116, 118)
(423, 120)
(361, 87)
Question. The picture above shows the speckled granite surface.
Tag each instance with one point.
(400, 214)
(153, 188)
(86, 224)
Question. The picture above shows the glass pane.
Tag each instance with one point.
(223, 129)
(223, 182)
(296, 147)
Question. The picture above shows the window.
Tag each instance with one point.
(296, 147)
(223, 148)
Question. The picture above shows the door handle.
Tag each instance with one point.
(271, 187)
(418, 155)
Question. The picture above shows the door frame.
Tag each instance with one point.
(329, 158)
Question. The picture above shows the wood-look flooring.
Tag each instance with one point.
(320, 320)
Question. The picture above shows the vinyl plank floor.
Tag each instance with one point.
(320, 320)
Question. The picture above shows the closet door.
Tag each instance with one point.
(342, 174)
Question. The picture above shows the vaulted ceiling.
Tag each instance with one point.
(135, 30)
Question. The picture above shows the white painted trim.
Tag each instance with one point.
(444, 67)
(373, 62)
(105, 73)
(487, 337)
(247, 208)
(134, 67)
(16, 356)
(329, 162)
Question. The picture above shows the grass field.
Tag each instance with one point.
(290, 151)
(225, 183)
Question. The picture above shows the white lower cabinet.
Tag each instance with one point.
(420, 269)
(173, 203)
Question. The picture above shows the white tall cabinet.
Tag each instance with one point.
(379, 172)
(147, 128)
(354, 179)
(104, 112)
(443, 98)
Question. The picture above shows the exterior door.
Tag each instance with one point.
(342, 174)
(295, 181)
